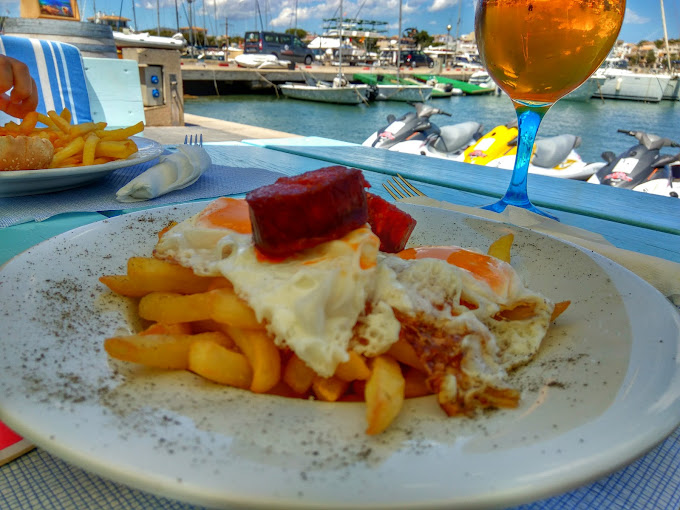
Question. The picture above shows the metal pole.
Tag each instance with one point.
(399, 43)
(665, 37)
(134, 14)
(176, 15)
(158, 15)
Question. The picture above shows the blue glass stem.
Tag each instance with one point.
(529, 118)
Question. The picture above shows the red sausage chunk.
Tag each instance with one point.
(302, 211)
(392, 225)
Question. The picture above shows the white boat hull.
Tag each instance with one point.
(672, 91)
(144, 40)
(632, 86)
(587, 90)
(260, 61)
(349, 94)
(415, 93)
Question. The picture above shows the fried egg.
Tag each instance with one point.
(345, 294)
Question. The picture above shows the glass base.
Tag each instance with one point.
(500, 206)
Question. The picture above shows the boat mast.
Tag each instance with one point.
(399, 44)
(340, 44)
(665, 37)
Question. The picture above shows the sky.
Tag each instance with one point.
(641, 22)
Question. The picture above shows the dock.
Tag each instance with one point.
(220, 78)
(212, 130)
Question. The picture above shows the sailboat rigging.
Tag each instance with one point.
(340, 91)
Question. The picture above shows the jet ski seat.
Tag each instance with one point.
(454, 137)
(550, 152)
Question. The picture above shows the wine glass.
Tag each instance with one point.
(537, 51)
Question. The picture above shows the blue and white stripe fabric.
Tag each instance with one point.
(57, 69)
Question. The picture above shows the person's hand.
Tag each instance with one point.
(24, 96)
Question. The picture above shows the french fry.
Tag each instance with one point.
(149, 274)
(122, 133)
(501, 247)
(354, 368)
(384, 394)
(228, 308)
(171, 308)
(28, 123)
(72, 148)
(47, 121)
(159, 351)
(219, 364)
(404, 353)
(329, 389)
(59, 121)
(298, 375)
(559, 309)
(90, 148)
(66, 115)
(158, 328)
(115, 149)
(263, 355)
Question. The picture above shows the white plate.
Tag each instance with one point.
(604, 389)
(34, 182)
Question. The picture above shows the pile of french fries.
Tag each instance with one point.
(199, 324)
(89, 143)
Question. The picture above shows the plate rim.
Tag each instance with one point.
(645, 444)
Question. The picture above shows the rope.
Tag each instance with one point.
(264, 79)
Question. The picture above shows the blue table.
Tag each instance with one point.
(633, 221)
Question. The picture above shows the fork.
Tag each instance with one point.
(399, 187)
(190, 140)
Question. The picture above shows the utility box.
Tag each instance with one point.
(152, 85)
(160, 79)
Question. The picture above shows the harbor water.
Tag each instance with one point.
(595, 121)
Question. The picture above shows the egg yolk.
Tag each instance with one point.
(483, 267)
(227, 213)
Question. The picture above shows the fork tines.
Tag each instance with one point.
(190, 140)
(399, 187)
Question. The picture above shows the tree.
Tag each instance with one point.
(422, 39)
(298, 32)
(650, 57)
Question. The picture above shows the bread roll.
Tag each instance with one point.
(25, 152)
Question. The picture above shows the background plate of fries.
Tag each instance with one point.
(602, 390)
(33, 182)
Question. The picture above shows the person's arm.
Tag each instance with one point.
(24, 96)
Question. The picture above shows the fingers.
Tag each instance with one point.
(23, 97)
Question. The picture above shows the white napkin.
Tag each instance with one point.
(660, 273)
(175, 171)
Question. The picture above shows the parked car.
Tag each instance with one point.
(282, 46)
(413, 58)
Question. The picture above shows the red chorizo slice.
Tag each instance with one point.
(392, 225)
(302, 211)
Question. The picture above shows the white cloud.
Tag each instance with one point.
(439, 5)
(633, 18)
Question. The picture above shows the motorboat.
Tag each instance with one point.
(260, 61)
(672, 90)
(587, 90)
(460, 87)
(337, 92)
(483, 80)
(394, 88)
(130, 39)
(626, 84)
